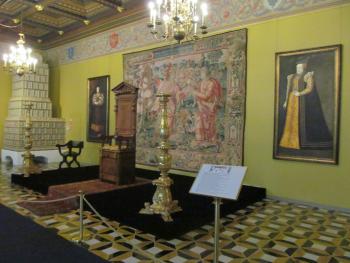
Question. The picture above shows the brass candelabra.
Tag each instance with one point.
(28, 167)
(163, 202)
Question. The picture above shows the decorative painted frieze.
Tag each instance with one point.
(224, 14)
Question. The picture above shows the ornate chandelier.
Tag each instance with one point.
(20, 59)
(177, 19)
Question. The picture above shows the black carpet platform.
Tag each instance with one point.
(123, 206)
(22, 240)
(54, 176)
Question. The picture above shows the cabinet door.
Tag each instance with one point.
(109, 167)
(126, 115)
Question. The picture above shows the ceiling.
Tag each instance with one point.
(48, 23)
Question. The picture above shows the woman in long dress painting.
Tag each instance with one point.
(305, 126)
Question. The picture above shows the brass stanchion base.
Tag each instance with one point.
(76, 238)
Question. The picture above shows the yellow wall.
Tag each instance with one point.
(69, 84)
(325, 184)
(5, 94)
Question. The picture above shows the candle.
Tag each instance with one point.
(176, 8)
(159, 3)
(204, 8)
(154, 15)
(34, 63)
(195, 24)
(151, 7)
(166, 19)
(5, 57)
(194, 3)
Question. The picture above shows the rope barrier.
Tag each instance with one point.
(82, 198)
(51, 201)
(145, 254)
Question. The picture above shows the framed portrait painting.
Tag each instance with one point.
(98, 108)
(307, 105)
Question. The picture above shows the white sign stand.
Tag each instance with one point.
(219, 181)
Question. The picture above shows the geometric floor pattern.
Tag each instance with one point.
(268, 231)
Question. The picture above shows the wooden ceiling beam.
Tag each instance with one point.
(55, 9)
(73, 16)
(32, 10)
(103, 20)
(29, 22)
(40, 25)
(4, 2)
(107, 3)
(7, 17)
(107, 23)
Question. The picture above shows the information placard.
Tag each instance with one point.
(222, 181)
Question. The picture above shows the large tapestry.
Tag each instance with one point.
(207, 83)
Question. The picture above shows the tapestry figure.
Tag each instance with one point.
(208, 100)
(146, 94)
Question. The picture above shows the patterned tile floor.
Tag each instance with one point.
(268, 231)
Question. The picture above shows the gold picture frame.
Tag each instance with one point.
(307, 97)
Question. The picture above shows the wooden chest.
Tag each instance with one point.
(117, 166)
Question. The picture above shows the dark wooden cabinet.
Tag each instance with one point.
(117, 166)
(117, 159)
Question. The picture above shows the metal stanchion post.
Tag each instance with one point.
(80, 237)
(81, 211)
(217, 202)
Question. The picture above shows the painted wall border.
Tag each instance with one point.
(225, 14)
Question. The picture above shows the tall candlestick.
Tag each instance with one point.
(163, 202)
(28, 167)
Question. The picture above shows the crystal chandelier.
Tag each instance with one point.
(177, 19)
(20, 59)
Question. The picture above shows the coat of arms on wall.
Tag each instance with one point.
(207, 83)
(98, 108)
(307, 104)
